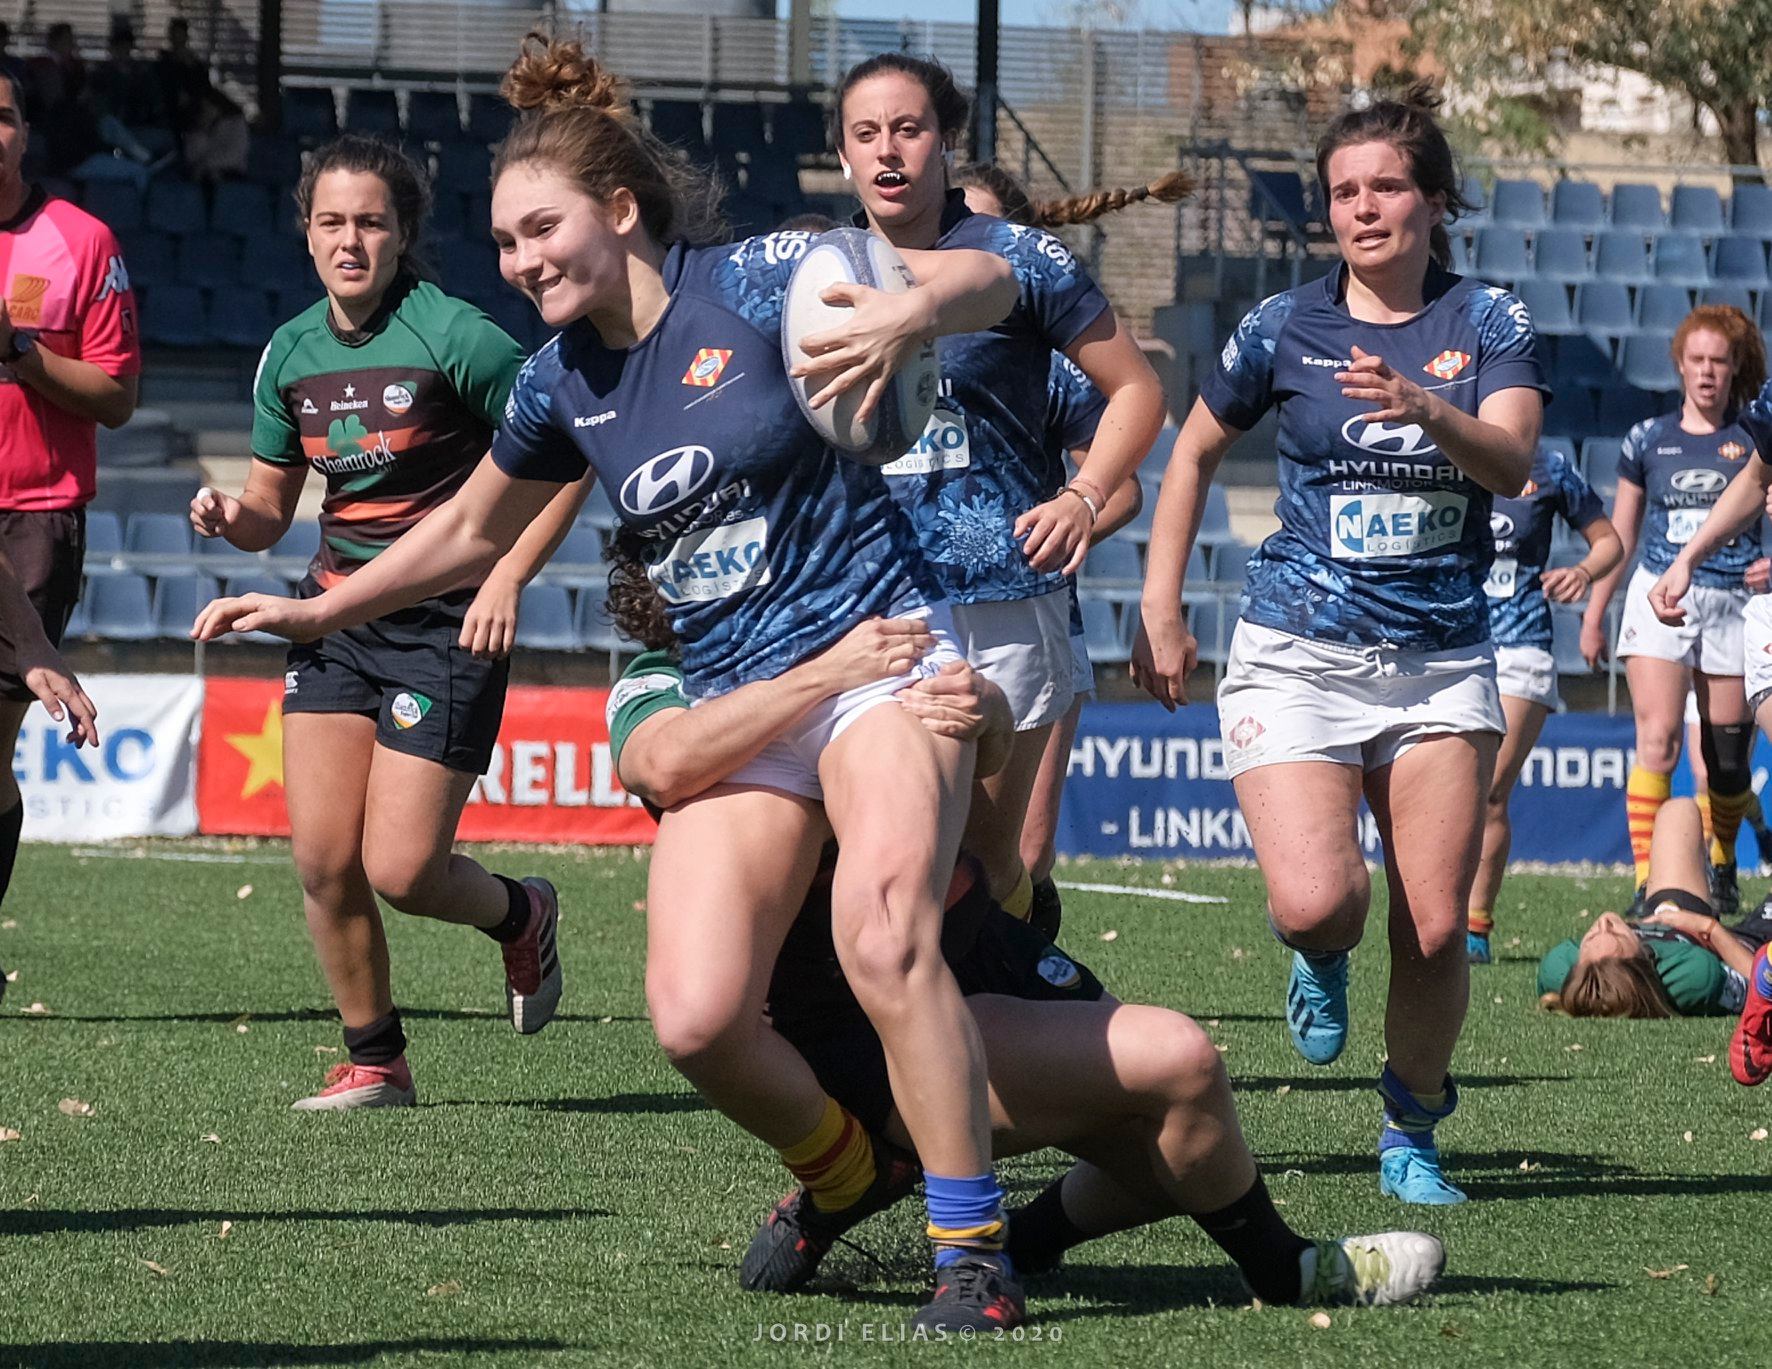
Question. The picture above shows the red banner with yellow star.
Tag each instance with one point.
(550, 779)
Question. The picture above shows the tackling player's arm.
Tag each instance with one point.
(81, 388)
(1165, 651)
(490, 625)
(1736, 510)
(676, 753)
(1568, 584)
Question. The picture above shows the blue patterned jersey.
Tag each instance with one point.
(1682, 476)
(1756, 419)
(765, 544)
(1382, 540)
(983, 460)
(1519, 614)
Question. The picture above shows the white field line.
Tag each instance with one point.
(1173, 895)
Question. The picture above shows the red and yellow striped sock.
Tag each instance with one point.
(1644, 794)
(1019, 901)
(835, 1164)
(1482, 922)
(1726, 813)
(1710, 841)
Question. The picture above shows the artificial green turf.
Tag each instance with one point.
(565, 1199)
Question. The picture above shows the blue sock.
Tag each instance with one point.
(966, 1217)
(1409, 1121)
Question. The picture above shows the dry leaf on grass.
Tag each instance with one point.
(1322, 1321)
(1705, 1059)
(1527, 1166)
(1758, 1134)
(212, 1138)
(12, 976)
(1686, 1137)
(1666, 1273)
(1711, 1284)
(448, 1289)
(325, 1050)
(9, 924)
(1283, 1090)
(158, 1269)
(243, 892)
(1110, 936)
(226, 1229)
(1577, 1046)
(1237, 953)
(75, 1107)
(9, 1134)
(37, 1008)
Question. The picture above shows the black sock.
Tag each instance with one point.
(380, 1043)
(1041, 1232)
(1254, 1234)
(517, 920)
(12, 822)
(1047, 912)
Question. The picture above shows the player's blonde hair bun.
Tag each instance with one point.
(557, 73)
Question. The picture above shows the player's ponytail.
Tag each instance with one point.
(1747, 347)
(1407, 122)
(577, 117)
(1019, 208)
(409, 189)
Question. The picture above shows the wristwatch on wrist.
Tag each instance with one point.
(18, 348)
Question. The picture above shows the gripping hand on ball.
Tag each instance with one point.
(883, 332)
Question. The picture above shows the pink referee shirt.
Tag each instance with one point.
(66, 285)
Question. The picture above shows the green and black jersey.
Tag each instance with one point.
(394, 416)
(653, 682)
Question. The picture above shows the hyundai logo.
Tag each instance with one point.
(1698, 481)
(1501, 527)
(1387, 439)
(667, 480)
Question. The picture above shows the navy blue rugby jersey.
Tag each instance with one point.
(1382, 540)
(983, 459)
(765, 544)
(1756, 419)
(1519, 614)
(1682, 476)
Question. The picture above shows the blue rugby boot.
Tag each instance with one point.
(1476, 948)
(1408, 1159)
(1316, 1005)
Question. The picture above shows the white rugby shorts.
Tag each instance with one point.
(1710, 638)
(1529, 673)
(1756, 649)
(1287, 698)
(1023, 646)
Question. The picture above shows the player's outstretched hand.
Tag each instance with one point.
(1163, 656)
(883, 331)
(1566, 584)
(489, 628)
(874, 649)
(212, 512)
(47, 676)
(273, 613)
(1399, 398)
(1667, 592)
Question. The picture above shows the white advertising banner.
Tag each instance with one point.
(142, 779)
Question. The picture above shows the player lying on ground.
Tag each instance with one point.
(1138, 1094)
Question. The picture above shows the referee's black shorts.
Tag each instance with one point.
(47, 549)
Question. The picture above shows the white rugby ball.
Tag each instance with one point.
(857, 257)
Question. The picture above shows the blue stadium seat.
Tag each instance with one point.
(1517, 204)
(433, 116)
(591, 621)
(1696, 209)
(280, 264)
(1583, 358)
(1114, 559)
(373, 111)
(1215, 518)
(243, 210)
(222, 559)
(1735, 296)
(1569, 411)
(174, 316)
(1661, 307)
(1561, 254)
(464, 167)
(1741, 261)
(176, 207)
(1637, 206)
(489, 119)
(1604, 306)
(262, 581)
(798, 128)
(597, 510)
(1578, 204)
(1622, 256)
(104, 533)
(1645, 363)
(1212, 624)
(242, 318)
(1462, 263)
(1277, 199)
(300, 541)
(275, 163)
(151, 257)
(120, 607)
(679, 123)
(1750, 211)
(1598, 455)
(158, 534)
(210, 259)
(177, 601)
(1229, 561)
(471, 268)
(1101, 632)
(1476, 195)
(1501, 254)
(310, 113)
(737, 129)
(544, 619)
(582, 546)
(1680, 258)
(1566, 640)
(116, 204)
(1548, 303)
(476, 215)
(1621, 408)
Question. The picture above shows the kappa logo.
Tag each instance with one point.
(1387, 439)
(1731, 451)
(408, 710)
(1448, 364)
(396, 399)
(705, 370)
(1501, 527)
(1243, 735)
(1698, 481)
(594, 420)
(667, 480)
(116, 281)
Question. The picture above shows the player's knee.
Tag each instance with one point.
(401, 878)
(1327, 902)
(1658, 748)
(694, 1030)
(1192, 1069)
(327, 874)
(881, 940)
(1440, 932)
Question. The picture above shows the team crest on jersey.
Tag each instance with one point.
(26, 302)
(1243, 735)
(1448, 364)
(705, 370)
(1057, 971)
(1731, 451)
(397, 399)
